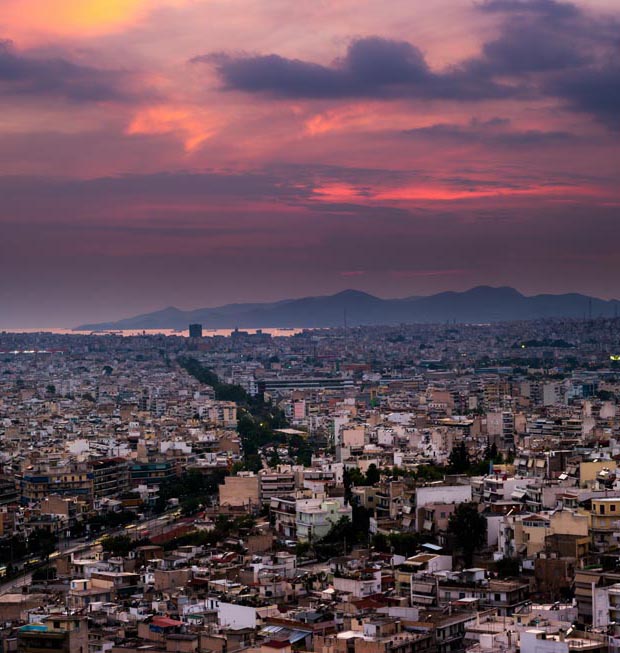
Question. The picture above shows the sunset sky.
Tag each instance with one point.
(201, 152)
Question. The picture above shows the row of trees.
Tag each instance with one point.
(467, 534)
(192, 489)
(40, 543)
(461, 462)
(224, 528)
(257, 421)
(223, 391)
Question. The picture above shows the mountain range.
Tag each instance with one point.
(480, 304)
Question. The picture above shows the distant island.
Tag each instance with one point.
(480, 304)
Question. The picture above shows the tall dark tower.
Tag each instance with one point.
(195, 330)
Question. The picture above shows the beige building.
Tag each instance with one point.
(588, 470)
(239, 491)
(605, 521)
(531, 531)
(353, 436)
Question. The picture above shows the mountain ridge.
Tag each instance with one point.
(356, 307)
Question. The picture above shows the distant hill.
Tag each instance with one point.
(480, 304)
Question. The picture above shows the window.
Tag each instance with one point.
(612, 508)
(497, 597)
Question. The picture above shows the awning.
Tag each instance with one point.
(165, 622)
(425, 600)
(284, 633)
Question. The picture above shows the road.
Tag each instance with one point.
(135, 530)
(16, 584)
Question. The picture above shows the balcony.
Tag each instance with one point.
(604, 524)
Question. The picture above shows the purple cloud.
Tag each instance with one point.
(372, 67)
(58, 77)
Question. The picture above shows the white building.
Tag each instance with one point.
(315, 517)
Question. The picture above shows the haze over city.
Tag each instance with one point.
(197, 153)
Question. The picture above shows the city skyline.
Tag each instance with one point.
(190, 153)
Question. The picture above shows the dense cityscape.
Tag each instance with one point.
(355, 490)
(309, 326)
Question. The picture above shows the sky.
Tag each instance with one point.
(202, 152)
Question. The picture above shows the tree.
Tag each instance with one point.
(468, 529)
(507, 567)
(253, 463)
(381, 543)
(194, 485)
(372, 475)
(429, 473)
(190, 506)
(360, 518)
(405, 544)
(119, 545)
(274, 459)
(459, 461)
(45, 573)
(352, 477)
(302, 549)
(42, 542)
(339, 540)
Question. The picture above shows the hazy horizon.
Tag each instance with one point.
(72, 327)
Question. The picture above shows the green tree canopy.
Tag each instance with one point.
(373, 475)
(468, 529)
(459, 460)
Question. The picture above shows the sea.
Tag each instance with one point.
(153, 332)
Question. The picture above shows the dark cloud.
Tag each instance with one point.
(544, 48)
(531, 48)
(372, 67)
(496, 131)
(593, 90)
(278, 76)
(541, 36)
(571, 53)
(547, 8)
(58, 77)
(101, 194)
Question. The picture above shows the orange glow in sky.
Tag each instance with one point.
(194, 127)
(28, 19)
